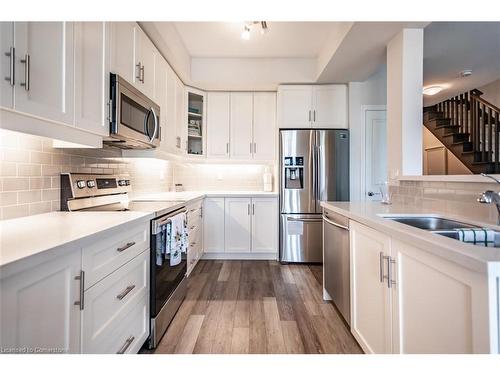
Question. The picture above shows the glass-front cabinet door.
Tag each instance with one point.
(196, 114)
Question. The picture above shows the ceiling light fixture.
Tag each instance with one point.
(466, 73)
(245, 34)
(432, 90)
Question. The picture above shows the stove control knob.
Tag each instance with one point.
(81, 184)
(122, 183)
(127, 182)
(90, 184)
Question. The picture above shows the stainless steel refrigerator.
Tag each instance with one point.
(314, 167)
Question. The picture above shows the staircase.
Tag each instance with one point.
(469, 127)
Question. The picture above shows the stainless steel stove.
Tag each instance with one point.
(168, 284)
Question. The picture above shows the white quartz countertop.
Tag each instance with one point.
(30, 235)
(193, 195)
(371, 214)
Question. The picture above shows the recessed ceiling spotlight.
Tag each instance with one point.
(432, 90)
(466, 73)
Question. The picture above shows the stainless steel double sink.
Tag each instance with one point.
(439, 225)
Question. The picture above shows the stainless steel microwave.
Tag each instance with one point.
(134, 120)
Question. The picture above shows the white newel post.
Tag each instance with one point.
(404, 103)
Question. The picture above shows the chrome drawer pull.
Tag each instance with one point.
(126, 345)
(130, 244)
(123, 294)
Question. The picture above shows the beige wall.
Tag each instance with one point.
(491, 92)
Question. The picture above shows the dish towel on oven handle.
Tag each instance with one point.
(162, 240)
(178, 238)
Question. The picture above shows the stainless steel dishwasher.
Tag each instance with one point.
(336, 275)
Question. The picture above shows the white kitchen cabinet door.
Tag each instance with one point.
(37, 304)
(92, 76)
(264, 225)
(295, 106)
(329, 106)
(237, 225)
(439, 307)
(218, 125)
(241, 145)
(7, 78)
(160, 97)
(180, 117)
(264, 125)
(370, 297)
(213, 225)
(145, 53)
(168, 142)
(122, 50)
(45, 70)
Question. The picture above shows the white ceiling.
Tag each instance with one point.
(450, 47)
(284, 39)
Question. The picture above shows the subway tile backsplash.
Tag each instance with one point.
(30, 169)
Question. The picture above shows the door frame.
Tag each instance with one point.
(363, 164)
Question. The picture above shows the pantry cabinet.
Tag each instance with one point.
(218, 120)
(241, 123)
(92, 77)
(408, 300)
(312, 106)
(39, 304)
(45, 70)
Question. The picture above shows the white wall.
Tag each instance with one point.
(373, 91)
(491, 92)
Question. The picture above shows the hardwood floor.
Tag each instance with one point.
(256, 307)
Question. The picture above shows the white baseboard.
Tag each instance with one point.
(240, 256)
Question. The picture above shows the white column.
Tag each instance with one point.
(404, 103)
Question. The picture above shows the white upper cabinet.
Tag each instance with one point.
(92, 76)
(7, 77)
(264, 125)
(241, 145)
(45, 70)
(160, 97)
(306, 106)
(237, 225)
(122, 50)
(218, 125)
(264, 225)
(329, 106)
(213, 225)
(144, 59)
(168, 141)
(180, 117)
(294, 107)
(37, 303)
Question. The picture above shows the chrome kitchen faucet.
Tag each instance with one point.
(490, 196)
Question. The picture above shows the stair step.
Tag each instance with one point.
(438, 122)
(457, 137)
(466, 145)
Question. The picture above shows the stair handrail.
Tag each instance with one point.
(485, 102)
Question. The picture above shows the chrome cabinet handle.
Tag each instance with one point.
(12, 63)
(253, 208)
(251, 147)
(81, 277)
(314, 115)
(390, 281)
(125, 247)
(26, 62)
(335, 224)
(126, 345)
(138, 74)
(142, 73)
(248, 209)
(227, 148)
(254, 147)
(381, 266)
(123, 294)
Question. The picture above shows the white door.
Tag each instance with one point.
(122, 50)
(237, 225)
(264, 225)
(160, 97)
(264, 125)
(7, 76)
(439, 307)
(92, 76)
(180, 117)
(45, 70)
(218, 125)
(375, 153)
(213, 225)
(370, 296)
(168, 134)
(295, 107)
(144, 59)
(241, 146)
(37, 304)
(330, 106)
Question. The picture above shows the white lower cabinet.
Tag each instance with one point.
(38, 313)
(241, 226)
(195, 234)
(407, 300)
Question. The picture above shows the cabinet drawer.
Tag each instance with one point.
(111, 301)
(103, 257)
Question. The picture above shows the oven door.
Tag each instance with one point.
(135, 119)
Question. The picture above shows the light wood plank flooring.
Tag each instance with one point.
(256, 307)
